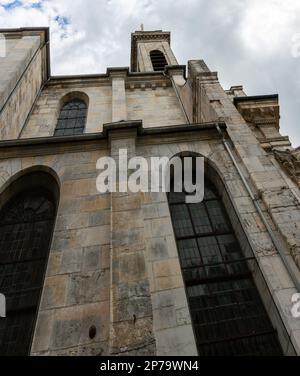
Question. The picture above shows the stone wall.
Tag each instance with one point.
(76, 288)
(17, 91)
(155, 106)
(44, 117)
(123, 276)
(113, 261)
(163, 259)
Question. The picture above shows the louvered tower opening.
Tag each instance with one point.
(158, 60)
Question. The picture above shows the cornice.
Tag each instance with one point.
(255, 98)
(46, 145)
(105, 78)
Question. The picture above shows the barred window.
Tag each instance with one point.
(227, 312)
(26, 225)
(72, 118)
(158, 60)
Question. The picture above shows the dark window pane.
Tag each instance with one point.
(64, 114)
(77, 131)
(209, 250)
(176, 197)
(26, 224)
(209, 193)
(72, 119)
(227, 312)
(229, 247)
(80, 123)
(217, 216)
(71, 123)
(59, 132)
(200, 218)
(181, 221)
(189, 253)
(158, 60)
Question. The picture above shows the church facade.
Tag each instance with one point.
(143, 273)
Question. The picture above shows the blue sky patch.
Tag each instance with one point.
(12, 5)
(36, 5)
(62, 21)
(19, 3)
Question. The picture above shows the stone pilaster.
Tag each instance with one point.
(131, 323)
(119, 108)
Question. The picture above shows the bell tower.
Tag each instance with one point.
(151, 51)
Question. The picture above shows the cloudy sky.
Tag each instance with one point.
(255, 43)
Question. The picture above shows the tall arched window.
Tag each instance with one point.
(72, 118)
(26, 226)
(227, 312)
(158, 60)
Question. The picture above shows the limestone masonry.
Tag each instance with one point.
(113, 278)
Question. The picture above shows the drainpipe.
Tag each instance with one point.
(178, 97)
(277, 244)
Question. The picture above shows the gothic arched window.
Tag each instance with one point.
(72, 118)
(26, 226)
(158, 60)
(227, 312)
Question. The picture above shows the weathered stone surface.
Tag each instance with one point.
(113, 261)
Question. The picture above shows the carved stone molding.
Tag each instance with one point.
(290, 161)
(259, 110)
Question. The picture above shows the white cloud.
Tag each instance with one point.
(266, 26)
(248, 41)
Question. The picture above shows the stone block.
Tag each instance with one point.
(131, 267)
(95, 258)
(54, 292)
(43, 332)
(176, 342)
(88, 287)
(132, 335)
